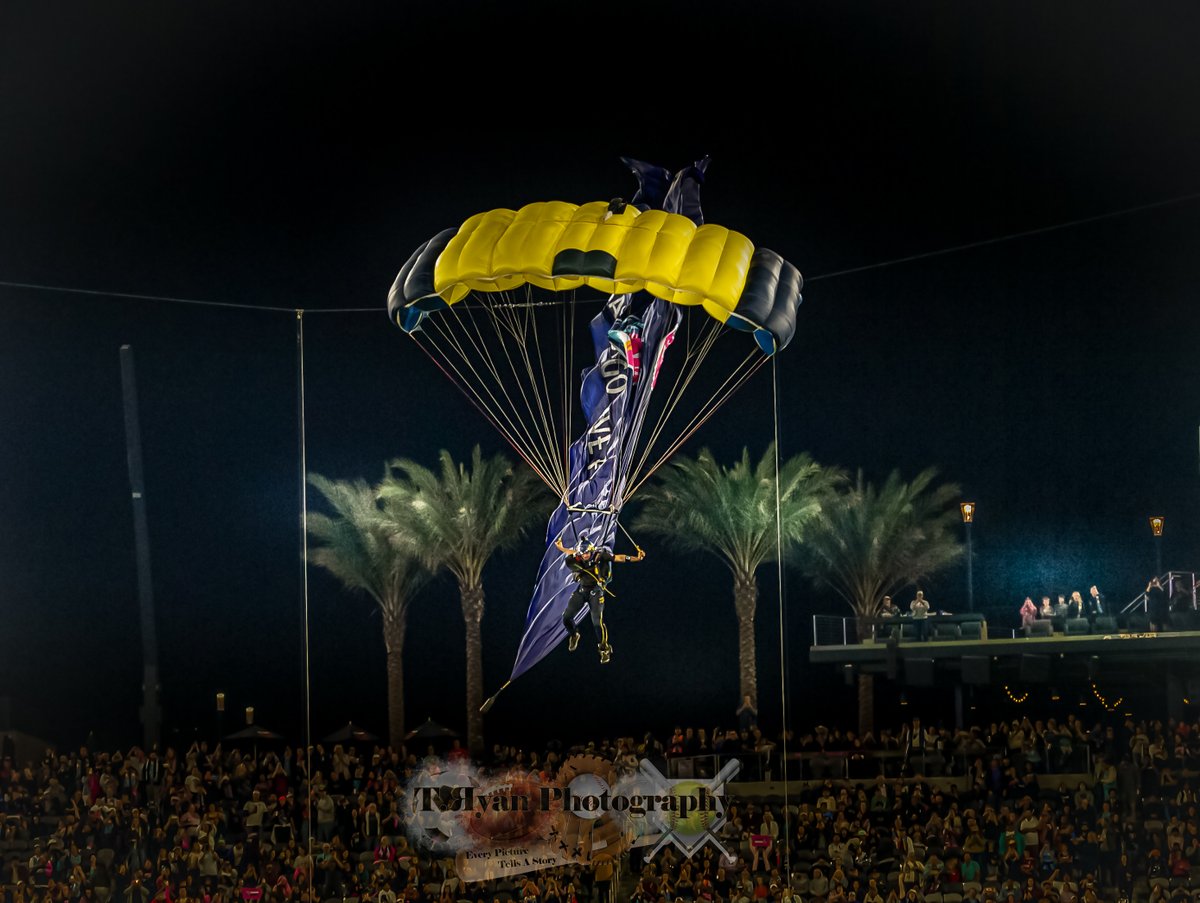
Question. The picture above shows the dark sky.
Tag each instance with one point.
(294, 155)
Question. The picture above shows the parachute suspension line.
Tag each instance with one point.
(469, 391)
(515, 428)
(497, 414)
(746, 369)
(512, 414)
(516, 320)
(524, 323)
(783, 698)
(565, 361)
(626, 532)
(556, 437)
(537, 378)
(565, 380)
(694, 355)
(539, 446)
(473, 395)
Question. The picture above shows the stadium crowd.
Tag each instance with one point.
(1029, 810)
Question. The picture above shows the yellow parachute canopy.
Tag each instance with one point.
(612, 247)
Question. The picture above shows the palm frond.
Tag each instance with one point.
(872, 541)
(457, 516)
(733, 512)
(354, 543)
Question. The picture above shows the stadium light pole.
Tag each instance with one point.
(968, 516)
(1157, 522)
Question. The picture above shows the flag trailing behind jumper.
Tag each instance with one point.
(615, 394)
(630, 336)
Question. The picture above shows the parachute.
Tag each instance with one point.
(495, 303)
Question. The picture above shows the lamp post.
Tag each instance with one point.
(220, 716)
(1156, 527)
(968, 516)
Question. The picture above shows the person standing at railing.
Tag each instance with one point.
(1157, 606)
(1094, 605)
(919, 607)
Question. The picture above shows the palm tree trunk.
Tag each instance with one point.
(394, 627)
(745, 602)
(866, 703)
(472, 609)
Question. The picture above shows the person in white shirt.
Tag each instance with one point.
(920, 614)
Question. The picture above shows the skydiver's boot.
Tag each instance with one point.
(573, 642)
(605, 654)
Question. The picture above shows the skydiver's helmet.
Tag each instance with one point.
(586, 549)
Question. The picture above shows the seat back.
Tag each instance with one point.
(946, 632)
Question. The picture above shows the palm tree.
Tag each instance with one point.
(354, 545)
(700, 505)
(872, 542)
(455, 520)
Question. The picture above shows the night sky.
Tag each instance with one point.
(294, 155)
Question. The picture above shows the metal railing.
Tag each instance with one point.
(1170, 581)
(831, 630)
(1073, 757)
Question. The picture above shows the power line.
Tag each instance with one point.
(924, 255)
(266, 308)
(1015, 235)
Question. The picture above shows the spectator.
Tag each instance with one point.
(919, 607)
(1157, 606)
(1029, 614)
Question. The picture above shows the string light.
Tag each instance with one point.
(1016, 699)
(1111, 707)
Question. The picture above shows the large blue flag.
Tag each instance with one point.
(615, 394)
(614, 407)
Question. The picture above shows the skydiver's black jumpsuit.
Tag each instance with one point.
(589, 592)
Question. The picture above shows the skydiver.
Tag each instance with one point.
(592, 567)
